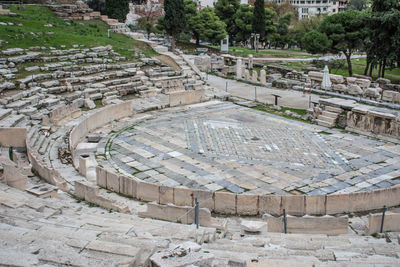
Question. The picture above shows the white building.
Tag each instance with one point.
(308, 8)
(210, 3)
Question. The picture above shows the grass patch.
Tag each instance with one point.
(244, 52)
(271, 110)
(64, 32)
(340, 68)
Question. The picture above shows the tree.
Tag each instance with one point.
(357, 5)
(226, 10)
(282, 37)
(304, 26)
(174, 19)
(316, 42)
(384, 35)
(213, 30)
(346, 32)
(97, 5)
(117, 9)
(259, 18)
(193, 26)
(243, 21)
(270, 25)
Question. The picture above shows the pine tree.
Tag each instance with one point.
(174, 19)
(259, 18)
(117, 9)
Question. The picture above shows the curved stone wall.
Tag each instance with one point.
(225, 202)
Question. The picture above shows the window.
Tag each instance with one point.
(334, 10)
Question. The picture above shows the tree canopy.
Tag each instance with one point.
(117, 9)
(259, 18)
(174, 19)
(226, 10)
(243, 21)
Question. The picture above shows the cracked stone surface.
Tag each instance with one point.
(222, 146)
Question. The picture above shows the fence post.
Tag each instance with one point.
(196, 213)
(383, 218)
(284, 221)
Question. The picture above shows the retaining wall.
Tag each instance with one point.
(391, 222)
(221, 202)
(12, 137)
(246, 204)
(309, 225)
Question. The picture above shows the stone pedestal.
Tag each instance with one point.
(254, 76)
(263, 77)
(250, 62)
(239, 68)
(246, 74)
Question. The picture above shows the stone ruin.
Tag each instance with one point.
(52, 124)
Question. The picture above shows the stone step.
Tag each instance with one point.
(327, 119)
(34, 137)
(39, 141)
(45, 145)
(17, 105)
(333, 109)
(12, 120)
(329, 114)
(324, 123)
(4, 113)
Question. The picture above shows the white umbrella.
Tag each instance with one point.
(326, 81)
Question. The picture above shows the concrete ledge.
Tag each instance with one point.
(13, 137)
(174, 213)
(308, 224)
(391, 223)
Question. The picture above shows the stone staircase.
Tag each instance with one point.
(329, 116)
(60, 231)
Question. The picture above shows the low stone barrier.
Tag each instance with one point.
(186, 97)
(172, 213)
(90, 193)
(13, 137)
(45, 172)
(247, 204)
(224, 202)
(328, 225)
(391, 222)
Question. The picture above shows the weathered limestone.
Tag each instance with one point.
(250, 62)
(174, 213)
(246, 74)
(13, 137)
(391, 222)
(309, 225)
(13, 177)
(263, 78)
(239, 68)
(254, 77)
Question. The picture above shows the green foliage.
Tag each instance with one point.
(304, 26)
(193, 25)
(87, 33)
(212, 29)
(383, 47)
(174, 19)
(346, 31)
(259, 18)
(316, 42)
(243, 19)
(226, 10)
(270, 25)
(282, 37)
(97, 5)
(357, 5)
(146, 24)
(117, 9)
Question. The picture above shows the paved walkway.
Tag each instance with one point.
(289, 98)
